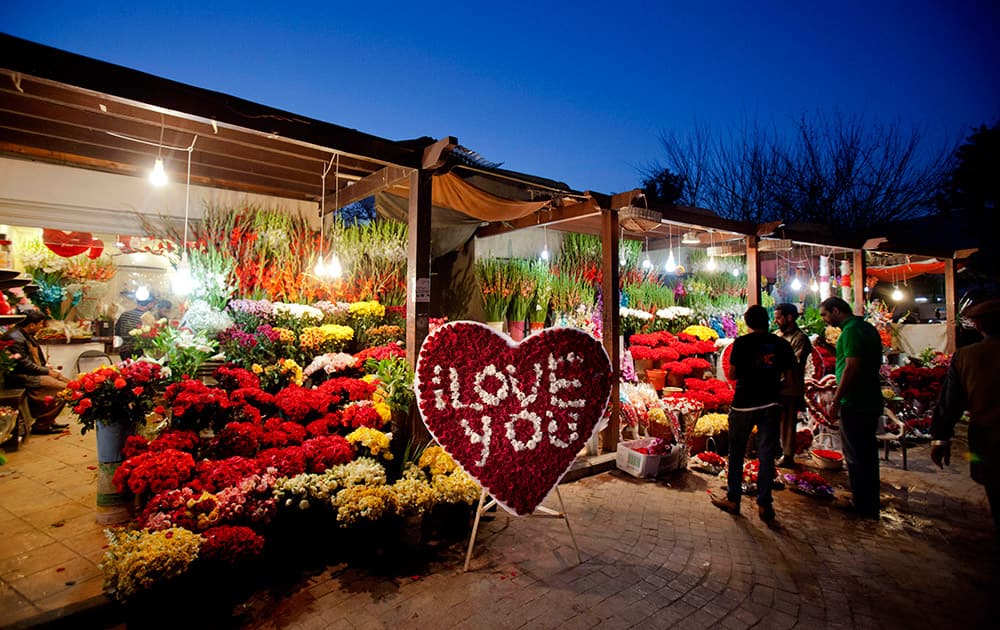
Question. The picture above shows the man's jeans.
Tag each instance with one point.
(857, 430)
(741, 424)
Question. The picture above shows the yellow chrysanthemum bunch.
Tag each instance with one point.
(456, 487)
(413, 496)
(831, 334)
(711, 424)
(435, 460)
(658, 416)
(326, 338)
(371, 310)
(364, 502)
(138, 560)
(703, 333)
(374, 440)
(285, 335)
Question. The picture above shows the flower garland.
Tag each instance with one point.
(709, 462)
(809, 483)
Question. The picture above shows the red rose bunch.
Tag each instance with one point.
(254, 397)
(344, 389)
(114, 394)
(230, 545)
(919, 383)
(215, 474)
(134, 444)
(653, 340)
(379, 353)
(678, 368)
(712, 459)
(187, 441)
(713, 393)
(196, 406)
(361, 414)
(279, 433)
(324, 452)
(288, 461)
(231, 378)
(154, 471)
(327, 425)
(237, 438)
(302, 405)
(803, 440)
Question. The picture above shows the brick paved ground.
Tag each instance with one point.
(657, 554)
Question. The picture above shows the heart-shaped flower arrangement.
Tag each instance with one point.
(512, 415)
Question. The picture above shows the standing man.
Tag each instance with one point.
(758, 362)
(858, 400)
(40, 382)
(128, 321)
(793, 391)
(973, 383)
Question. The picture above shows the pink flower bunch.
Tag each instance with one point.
(288, 461)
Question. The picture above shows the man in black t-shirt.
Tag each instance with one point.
(758, 362)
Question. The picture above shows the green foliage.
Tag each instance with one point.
(570, 290)
(649, 294)
(543, 292)
(397, 382)
(811, 323)
(579, 251)
(374, 255)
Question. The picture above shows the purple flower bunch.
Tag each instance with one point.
(251, 313)
(729, 327)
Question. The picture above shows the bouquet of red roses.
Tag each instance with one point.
(121, 394)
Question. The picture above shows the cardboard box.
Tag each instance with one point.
(642, 465)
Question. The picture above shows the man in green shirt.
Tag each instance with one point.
(858, 400)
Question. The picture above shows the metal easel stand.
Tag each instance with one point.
(540, 512)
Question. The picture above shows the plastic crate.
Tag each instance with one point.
(641, 465)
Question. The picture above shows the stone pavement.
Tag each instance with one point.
(656, 554)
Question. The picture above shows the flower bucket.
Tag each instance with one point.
(515, 328)
(656, 378)
(497, 326)
(675, 380)
(112, 506)
(537, 327)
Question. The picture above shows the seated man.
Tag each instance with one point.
(30, 372)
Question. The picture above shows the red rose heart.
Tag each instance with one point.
(512, 415)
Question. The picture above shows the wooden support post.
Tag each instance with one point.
(860, 270)
(418, 277)
(951, 306)
(612, 318)
(753, 271)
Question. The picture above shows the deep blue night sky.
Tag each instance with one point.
(578, 91)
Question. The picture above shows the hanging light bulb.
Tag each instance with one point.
(814, 286)
(320, 269)
(711, 265)
(545, 254)
(671, 264)
(897, 295)
(647, 263)
(158, 176)
(142, 293)
(183, 282)
(796, 284)
(736, 272)
(333, 269)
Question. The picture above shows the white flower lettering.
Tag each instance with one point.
(536, 435)
(479, 438)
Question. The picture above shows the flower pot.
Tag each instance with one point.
(656, 378)
(497, 326)
(537, 326)
(675, 380)
(515, 328)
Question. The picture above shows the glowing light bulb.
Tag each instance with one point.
(545, 254)
(796, 284)
(671, 264)
(183, 282)
(333, 269)
(736, 272)
(897, 295)
(142, 293)
(158, 176)
(711, 265)
(646, 264)
(814, 287)
(320, 269)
